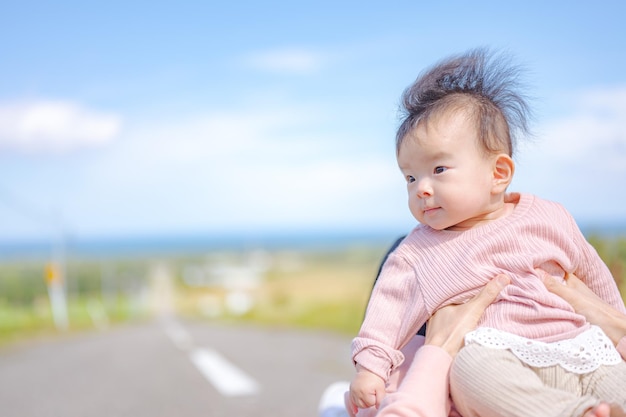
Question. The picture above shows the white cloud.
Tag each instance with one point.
(579, 159)
(224, 140)
(595, 132)
(248, 167)
(291, 61)
(54, 125)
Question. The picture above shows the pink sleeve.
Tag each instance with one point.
(424, 390)
(595, 273)
(382, 334)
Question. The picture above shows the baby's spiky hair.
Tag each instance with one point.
(480, 82)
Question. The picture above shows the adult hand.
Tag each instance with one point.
(586, 302)
(449, 325)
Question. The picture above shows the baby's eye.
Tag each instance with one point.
(439, 170)
(410, 178)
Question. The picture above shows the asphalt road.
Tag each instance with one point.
(169, 367)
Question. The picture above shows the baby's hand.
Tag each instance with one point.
(367, 389)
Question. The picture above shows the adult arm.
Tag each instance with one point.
(589, 304)
(424, 389)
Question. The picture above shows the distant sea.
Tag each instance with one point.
(164, 245)
(132, 246)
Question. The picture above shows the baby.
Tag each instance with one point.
(454, 149)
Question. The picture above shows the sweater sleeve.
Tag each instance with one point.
(595, 273)
(424, 390)
(394, 315)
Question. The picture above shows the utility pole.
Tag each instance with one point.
(56, 291)
(55, 269)
(56, 278)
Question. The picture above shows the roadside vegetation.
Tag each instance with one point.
(313, 288)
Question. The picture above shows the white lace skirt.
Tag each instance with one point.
(583, 354)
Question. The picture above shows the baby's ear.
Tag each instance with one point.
(503, 170)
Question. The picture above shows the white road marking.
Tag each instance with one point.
(226, 378)
(177, 334)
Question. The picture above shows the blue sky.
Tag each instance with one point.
(193, 117)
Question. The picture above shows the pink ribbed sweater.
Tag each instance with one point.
(433, 268)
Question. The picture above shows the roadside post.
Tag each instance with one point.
(56, 293)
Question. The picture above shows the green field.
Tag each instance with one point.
(323, 289)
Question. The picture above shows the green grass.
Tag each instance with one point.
(25, 322)
(19, 322)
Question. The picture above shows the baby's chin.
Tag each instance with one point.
(439, 227)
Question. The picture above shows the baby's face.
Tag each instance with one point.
(449, 178)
